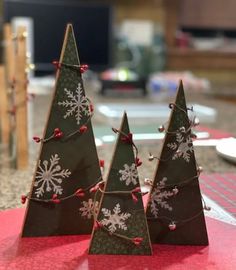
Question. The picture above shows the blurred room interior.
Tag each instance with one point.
(137, 52)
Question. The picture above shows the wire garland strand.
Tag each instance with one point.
(174, 222)
(80, 192)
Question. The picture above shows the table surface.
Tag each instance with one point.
(70, 252)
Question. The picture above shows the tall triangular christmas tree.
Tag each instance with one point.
(121, 226)
(175, 211)
(59, 202)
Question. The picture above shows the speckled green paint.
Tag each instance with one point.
(102, 242)
(78, 154)
(187, 203)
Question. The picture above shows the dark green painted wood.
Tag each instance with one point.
(187, 203)
(102, 242)
(77, 154)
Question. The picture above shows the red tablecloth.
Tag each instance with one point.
(70, 252)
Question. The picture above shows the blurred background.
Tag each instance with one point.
(144, 37)
(137, 52)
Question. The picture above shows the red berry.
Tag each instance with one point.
(56, 201)
(137, 240)
(138, 162)
(83, 129)
(58, 135)
(94, 189)
(137, 189)
(57, 130)
(80, 193)
(102, 163)
(83, 68)
(135, 199)
(56, 64)
(128, 138)
(23, 199)
(91, 107)
(36, 139)
(97, 225)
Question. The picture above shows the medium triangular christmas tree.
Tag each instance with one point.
(59, 202)
(121, 226)
(175, 211)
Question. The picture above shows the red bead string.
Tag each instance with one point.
(128, 138)
(98, 225)
(125, 138)
(12, 85)
(12, 111)
(80, 192)
(14, 108)
(81, 68)
(13, 82)
(132, 192)
(137, 241)
(58, 133)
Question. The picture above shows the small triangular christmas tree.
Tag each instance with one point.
(175, 211)
(121, 226)
(59, 202)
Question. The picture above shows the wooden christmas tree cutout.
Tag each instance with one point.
(121, 226)
(174, 211)
(59, 202)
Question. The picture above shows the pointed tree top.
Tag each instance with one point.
(69, 48)
(69, 26)
(124, 124)
(179, 109)
(180, 97)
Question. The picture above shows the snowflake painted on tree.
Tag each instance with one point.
(159, 197)
(115, 220)
(76, 104)
(49, 176)
(89, 208)
(183, 147)
(129, 174)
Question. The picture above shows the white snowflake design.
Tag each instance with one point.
(49, 176)
(116, 219)
(129, 174)
(89, 208)
(76, 104)
(183, 147)
(159, 197)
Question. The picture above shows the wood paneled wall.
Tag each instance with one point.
(136, 9)
(208, 14)
(139, 9)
